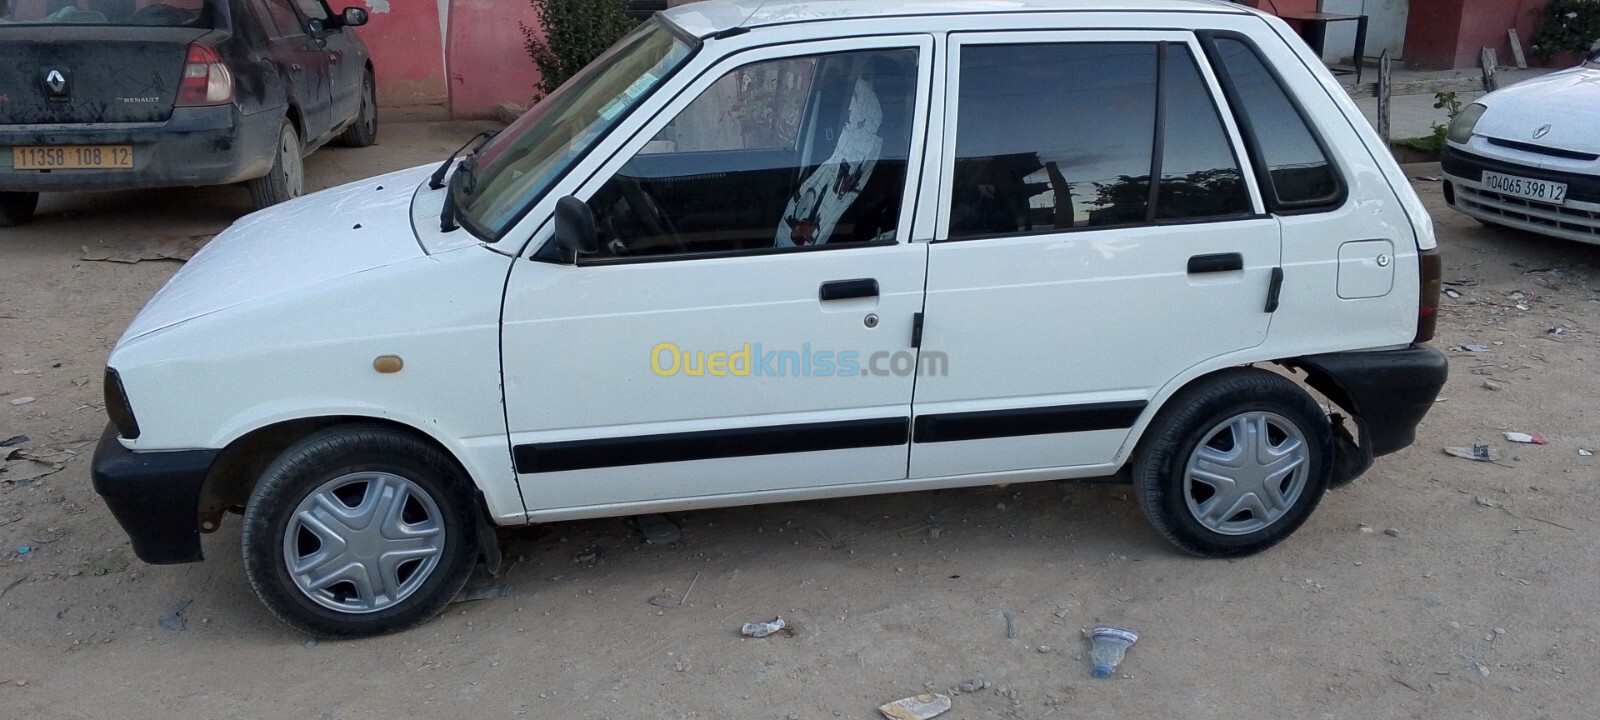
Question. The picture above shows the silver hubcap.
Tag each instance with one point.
(364, 541)
(292, 174)
(1246, 473)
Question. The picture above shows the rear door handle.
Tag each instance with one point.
(1219, 262)
(847, 289)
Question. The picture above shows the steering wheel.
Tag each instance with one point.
(649, 212)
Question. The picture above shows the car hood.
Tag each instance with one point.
(309, 240)
(1567, 101)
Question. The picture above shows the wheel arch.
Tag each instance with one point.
(235, 472)
(298, 121)
(1348, 459)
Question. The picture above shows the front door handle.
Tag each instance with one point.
(847, 289)
(1219, 262)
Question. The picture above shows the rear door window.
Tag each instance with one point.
(1064, 136)
(281, 19)
(313, 9)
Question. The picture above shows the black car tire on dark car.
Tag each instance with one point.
(359, 530)
(286, 180)
(1249, 439)
(16, 208)
(364, 131)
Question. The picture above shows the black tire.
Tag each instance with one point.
(1161, 466)
(286, 180)
(364, 131)
(330, 457)
(16, 208)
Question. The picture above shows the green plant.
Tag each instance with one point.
(1434, 141)
(574, 32)
(1570, 25)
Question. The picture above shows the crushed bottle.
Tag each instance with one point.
(1109, 645)
(762, 629)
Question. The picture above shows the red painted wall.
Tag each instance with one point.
(471, 60)
(407, 50)
(487, 64)
(1447, 34)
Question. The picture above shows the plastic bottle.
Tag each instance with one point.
(1109, 646)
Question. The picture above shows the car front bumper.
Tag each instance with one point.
(195, 146)
(155, 496)
(1576, 219)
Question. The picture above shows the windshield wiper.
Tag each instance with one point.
(465, 179)
(437, 180)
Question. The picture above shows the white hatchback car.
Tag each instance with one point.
(1527, 156)
(1055, 239)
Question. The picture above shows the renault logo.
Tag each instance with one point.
(56, 81)
(1541, 132)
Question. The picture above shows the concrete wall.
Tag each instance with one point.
(465, 54)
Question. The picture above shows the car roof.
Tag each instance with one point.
(703, 19)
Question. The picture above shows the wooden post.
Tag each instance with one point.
(1516, 49)
(1384, 89)
(1490, 83)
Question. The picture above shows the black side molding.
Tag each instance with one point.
(952, 427)
(710, 444)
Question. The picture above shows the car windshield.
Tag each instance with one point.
(520, 164)
(163, 13)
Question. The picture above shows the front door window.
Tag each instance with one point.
(793, 153)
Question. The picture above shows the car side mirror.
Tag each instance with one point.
(316, 27)
(353, 16)
(575, 229)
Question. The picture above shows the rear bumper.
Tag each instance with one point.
(155, 496)
(1576, 219)
(1387, 392)
(196, 146)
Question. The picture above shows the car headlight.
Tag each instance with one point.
(117, 407)
(1461, 127)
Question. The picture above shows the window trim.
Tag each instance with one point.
(718, 255)
(1163, 39)
(1269, 190)
(541, 246)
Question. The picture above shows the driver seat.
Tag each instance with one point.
(822, 199)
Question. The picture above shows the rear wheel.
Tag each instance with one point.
(1234, 464)
(16, 208)
(358, 531)
(286, 180)
(364, 131)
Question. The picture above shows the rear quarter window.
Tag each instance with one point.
(1298, 176)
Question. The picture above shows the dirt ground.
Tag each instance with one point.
(1479, 604)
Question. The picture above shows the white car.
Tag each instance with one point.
(1527, 156)
(661, 288)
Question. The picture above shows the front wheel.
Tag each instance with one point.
(357, 531)
(1234, 464)
(16, 208)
